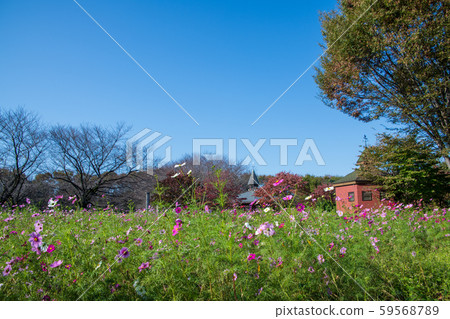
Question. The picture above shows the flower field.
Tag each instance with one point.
(395, 252)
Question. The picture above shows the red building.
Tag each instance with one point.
(352, 190)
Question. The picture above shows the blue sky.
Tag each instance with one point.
(223, 61)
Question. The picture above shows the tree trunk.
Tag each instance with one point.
(447, 161)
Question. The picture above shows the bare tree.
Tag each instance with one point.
(90, 159)
(22, 146)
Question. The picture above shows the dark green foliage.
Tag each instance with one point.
(407, 169)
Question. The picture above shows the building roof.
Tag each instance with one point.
(247, 197)
(355, 176)
(352, 178)
(253, 180)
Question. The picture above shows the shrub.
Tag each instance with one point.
(280, 186)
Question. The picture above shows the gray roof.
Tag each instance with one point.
(247, 197)
(253, 180)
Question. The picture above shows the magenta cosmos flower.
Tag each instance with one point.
(251, 256)
(177, 227)
(123, 253)
(50, 248)
(330, 246)
(300, 207)
(35, 239)
(278, 182)
(144, 266)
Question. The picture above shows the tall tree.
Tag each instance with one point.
(390, 58)
(89, 158)
(22, 148)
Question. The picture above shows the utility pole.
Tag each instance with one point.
(147, 200)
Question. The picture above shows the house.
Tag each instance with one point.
(249, 196)
(355, 190)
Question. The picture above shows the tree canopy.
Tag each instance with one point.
(390, 59)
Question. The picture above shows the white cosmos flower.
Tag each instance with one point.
(327, 189)
(173, 176)
(189, 173)
(267, 209)
(180, 165)
(98, 266)
(52, 203)
(308, 198)
(340, 213)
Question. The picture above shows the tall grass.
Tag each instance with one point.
(390, 253)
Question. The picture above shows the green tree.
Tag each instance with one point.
(390, 58)
(407, 169)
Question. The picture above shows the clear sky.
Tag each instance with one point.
(225, 62)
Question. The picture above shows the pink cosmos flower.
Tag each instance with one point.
(7, 270)
(279, 262)
(38, 226)
(73, 199)
(129, 231)
(288, 197)
(176, 229)
(234, 277)
(56, 264)
(35, 239)
(266, 229)
(311, 269)
(138, 241)
(320, 259)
